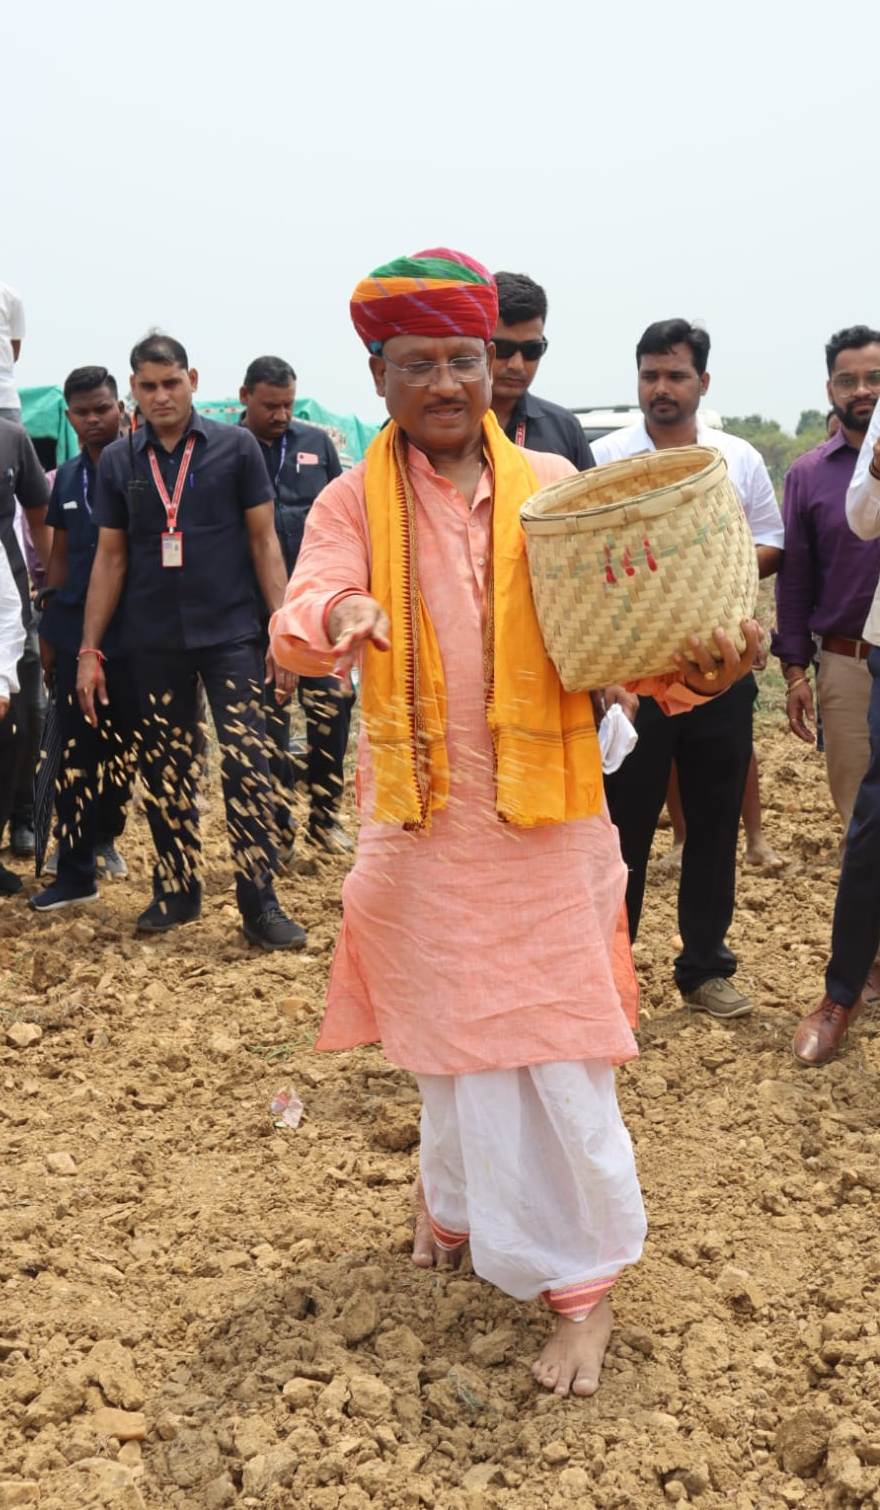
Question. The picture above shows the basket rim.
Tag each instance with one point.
(530, 514)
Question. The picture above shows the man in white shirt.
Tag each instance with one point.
(852, 977)
(11, 337)
(712, 747)
(12, 638)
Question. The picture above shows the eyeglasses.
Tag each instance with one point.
(847, 382)
(422, 374)
(530, 351)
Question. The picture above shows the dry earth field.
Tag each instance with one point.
(200, 1311)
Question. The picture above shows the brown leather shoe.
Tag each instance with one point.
(821, 1034)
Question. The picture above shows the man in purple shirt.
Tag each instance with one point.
(826, 582)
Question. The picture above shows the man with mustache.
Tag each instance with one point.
(712, 748)
(480, 940)
(852, 976)
(186, 528)
(97, 768)
(827, 578)
(301, 460)
(520, 343)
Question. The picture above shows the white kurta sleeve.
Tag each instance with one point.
(11, 629)
(863, 494)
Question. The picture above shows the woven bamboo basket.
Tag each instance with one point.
(630, 559)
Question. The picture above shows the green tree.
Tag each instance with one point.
(811, 422)
(778, 448)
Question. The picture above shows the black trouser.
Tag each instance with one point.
(712, 747)
(328, 718)
(855, 935)
(97, 766)
(29, 712)
(168, 685)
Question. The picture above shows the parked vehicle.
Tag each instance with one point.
(599, 421)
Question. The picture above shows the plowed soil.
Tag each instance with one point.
(244, 1293)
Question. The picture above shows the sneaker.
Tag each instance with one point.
(22, 840)
(169, 912)
(273, 929)
(332, 838)
(719, 998)
(10, 883)
(61, 894)
(110, 862)
(50, 864)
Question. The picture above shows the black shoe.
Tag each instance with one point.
(10, 883)
(273, 929)
(62, 894)
(22, 841)
(168, 912)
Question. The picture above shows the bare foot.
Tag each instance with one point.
(426, 1253)
(572, 1360)
(759, 854)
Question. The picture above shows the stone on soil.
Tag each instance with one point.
(125, 1425)
(110, 1365)
(801, 1443)
(21, 1035)
(61, 1163)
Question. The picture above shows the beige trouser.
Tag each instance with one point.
(844, 686)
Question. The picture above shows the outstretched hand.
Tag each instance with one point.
(709, 676)
(353, 622)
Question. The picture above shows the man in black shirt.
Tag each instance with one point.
(186, 517)
(301, 460)
(21, 477)
(520, 344)
(97, 764)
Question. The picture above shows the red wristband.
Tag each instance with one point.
(99, 653)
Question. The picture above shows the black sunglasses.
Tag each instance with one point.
(531, 351)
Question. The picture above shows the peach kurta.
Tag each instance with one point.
(476, 945)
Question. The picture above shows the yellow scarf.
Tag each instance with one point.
(548, 767)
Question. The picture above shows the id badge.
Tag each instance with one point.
(172, 548)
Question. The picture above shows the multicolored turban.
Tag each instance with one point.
(434, 293)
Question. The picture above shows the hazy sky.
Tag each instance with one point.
(228, 171)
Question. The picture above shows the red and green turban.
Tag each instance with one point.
(433, 293)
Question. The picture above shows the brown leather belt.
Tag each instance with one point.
(838, 644)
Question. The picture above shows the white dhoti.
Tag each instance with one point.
(535, 1168)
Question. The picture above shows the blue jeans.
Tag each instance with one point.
(855, 935)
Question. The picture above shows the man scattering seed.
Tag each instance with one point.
(480, 940)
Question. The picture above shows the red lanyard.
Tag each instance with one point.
(519, 438)
(172, 505)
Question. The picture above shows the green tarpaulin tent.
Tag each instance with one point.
(43, 416)
(350, 435)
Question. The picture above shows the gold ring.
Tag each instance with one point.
(711, 676)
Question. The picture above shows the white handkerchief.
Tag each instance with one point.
(617, 738)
